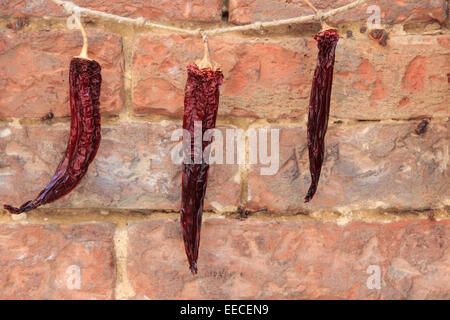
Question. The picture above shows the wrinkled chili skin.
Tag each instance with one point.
(319, 105)
(85, 83)
(201, 102)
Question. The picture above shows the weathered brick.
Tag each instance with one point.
(291, 260)
(272, 78)
(367, 165)
(200, 10)
(57, 262)
(246, 11)
(30, 8)
(133, 168)
(35, 71)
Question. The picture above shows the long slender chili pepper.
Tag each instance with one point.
(201, 103)
(85, 83)
(319, 105)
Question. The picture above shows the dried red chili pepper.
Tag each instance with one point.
(201, 103)
(319, 105)
(85, 83)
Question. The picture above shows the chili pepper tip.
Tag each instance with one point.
(193, 268)
(310, 194)
(11, 209)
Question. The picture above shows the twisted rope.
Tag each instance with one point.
(71, 8)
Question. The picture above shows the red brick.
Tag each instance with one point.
(246, 11)
(35, 71)
(272, 78)
(200, 10)
(43, 261)
(31, 8)
(291, 260)
(366, 166)
(415, 75)
(133, 168)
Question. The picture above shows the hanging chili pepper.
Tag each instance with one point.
(85, 82)
(201, 103)
(319, 105)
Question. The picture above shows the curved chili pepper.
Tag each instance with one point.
(85, 82)
(319, 105)
(201, 102)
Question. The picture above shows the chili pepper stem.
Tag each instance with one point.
(319, 16)
(206, 62)
(84, 49)
(326, 26)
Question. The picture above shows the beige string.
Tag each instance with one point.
(70, 7)
(311, 6)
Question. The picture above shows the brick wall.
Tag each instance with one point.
(384, 195)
